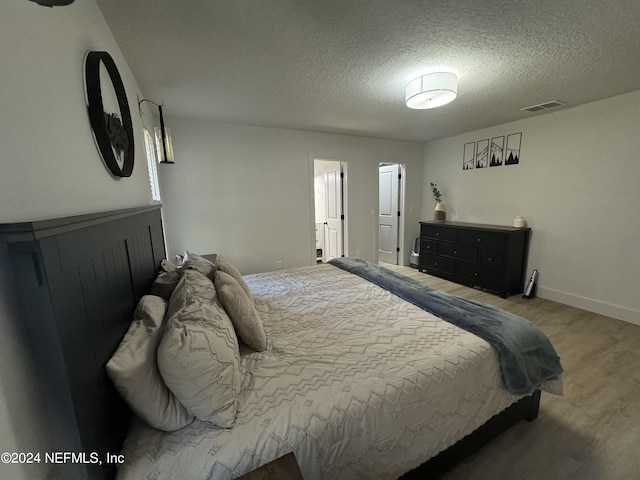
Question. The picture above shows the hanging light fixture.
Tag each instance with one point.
(432, 90)
(164, 145)
(53, 3)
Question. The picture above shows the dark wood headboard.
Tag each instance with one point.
(78, 280)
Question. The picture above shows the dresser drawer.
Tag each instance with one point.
(436, 232)
(492, 240)
(488, 257)
(442, 264)
(428, 246)
(461, 252)
(478, 275)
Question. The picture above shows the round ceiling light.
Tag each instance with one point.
(432, 90)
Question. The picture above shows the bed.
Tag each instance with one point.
(357, 381)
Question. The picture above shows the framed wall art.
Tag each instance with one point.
(513, 149)
(482, 154)
(497, 151)
(468, 158)
(494, 152)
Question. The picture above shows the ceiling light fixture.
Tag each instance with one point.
(432, 90)
(53, 3)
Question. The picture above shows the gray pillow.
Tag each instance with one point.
(241, 310)
(167, 266)
(200, 264)
(134, 371)
(225, 266)
(198, 355)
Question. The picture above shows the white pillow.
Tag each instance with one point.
(134, 371)
(198, 355)
(241, 310)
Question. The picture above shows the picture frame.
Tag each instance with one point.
(482, 153)
(512, 150)
(497, 151)
(469, 155)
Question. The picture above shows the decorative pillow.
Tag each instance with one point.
(213, 258)
(241, 310)
(167, 266)
(198, 355)
(225, 266)
(134, 371)
(166, 281)
(199, 263)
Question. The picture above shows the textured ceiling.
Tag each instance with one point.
(341, 66)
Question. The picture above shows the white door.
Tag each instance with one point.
(334, 216)
(388, 213)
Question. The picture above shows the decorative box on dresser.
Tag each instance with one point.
(492, 257)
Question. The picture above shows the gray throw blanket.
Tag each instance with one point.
(527, 358)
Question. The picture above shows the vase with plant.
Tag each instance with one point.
(440, 212)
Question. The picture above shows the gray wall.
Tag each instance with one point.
(577, 185)
(50, 167)
(246, 192)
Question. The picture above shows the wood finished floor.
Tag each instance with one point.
(592, 432)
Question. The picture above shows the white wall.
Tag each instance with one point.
(577, 185)
(50, 164)
(246, 192)
(50, 167)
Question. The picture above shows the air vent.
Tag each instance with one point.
(543, 106)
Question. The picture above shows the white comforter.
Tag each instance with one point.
(355, 381)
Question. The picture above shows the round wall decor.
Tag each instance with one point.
(114, 134)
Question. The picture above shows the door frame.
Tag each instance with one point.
(312, 206)
(401, 207)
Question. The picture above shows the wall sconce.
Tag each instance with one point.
(164, 146)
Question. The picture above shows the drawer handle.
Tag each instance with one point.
(489, 259)
(435, 263)
(428, 247)
(437, 234)
(478, 239)
(475, 274)
(455, 252)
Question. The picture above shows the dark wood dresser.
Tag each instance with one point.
(492, 257)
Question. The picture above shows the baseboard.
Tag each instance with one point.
(603, 308)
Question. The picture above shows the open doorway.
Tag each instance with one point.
(390, 215)
(329, 195)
